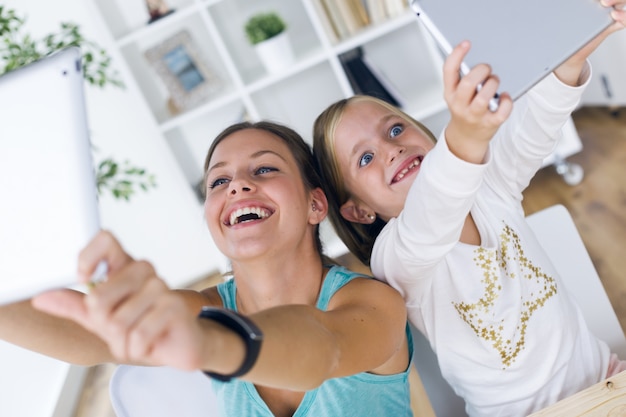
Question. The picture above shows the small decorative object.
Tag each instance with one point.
(266, 32)
(157, 9)
(186, 76)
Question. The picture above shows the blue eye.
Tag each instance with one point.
(218, 182)
(366, 158)
(265, 170)
(395, 130)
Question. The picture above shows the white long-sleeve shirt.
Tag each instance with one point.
(508, 337)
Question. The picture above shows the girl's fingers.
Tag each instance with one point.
(452, 66)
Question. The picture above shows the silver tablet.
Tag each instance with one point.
(523, 41)
(49, 208)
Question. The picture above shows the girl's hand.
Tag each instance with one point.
(570, 71)
(472, 124)
(133, 311)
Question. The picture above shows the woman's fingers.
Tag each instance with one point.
(116, 306)
(102, 249)
(67, 304)
(163, 332)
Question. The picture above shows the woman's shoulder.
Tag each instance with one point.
(339, 277)
(212, 296)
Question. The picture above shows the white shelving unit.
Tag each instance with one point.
(294, 96)
(401, 51)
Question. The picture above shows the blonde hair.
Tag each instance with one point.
(359, 238)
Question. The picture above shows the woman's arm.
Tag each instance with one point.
(22, 325)
(142, 321)
(363, 330)
(53, 335)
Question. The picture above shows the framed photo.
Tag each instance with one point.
(186, 76)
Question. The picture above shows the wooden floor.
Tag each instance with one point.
(598, 206)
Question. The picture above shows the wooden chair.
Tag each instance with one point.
(604, 399)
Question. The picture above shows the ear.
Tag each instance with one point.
(319, 206)
(356, 213)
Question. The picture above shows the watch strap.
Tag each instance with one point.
(245, 328)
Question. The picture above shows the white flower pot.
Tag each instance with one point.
(275, 53)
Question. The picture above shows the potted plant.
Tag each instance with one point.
(266, 32)
(18, 48)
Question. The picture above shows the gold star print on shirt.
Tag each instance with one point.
(482, 314)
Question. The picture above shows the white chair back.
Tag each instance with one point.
(141, 391)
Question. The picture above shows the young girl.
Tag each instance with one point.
(443, 223)
(332, 341)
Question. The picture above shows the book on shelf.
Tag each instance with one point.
(335, 16)
(348, 14)
(395, 8)
(376, 11)
(325, 20)
(363, 80)
(360, 11)
(343, 18)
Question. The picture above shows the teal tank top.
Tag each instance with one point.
(359, 395)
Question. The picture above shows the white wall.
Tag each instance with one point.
(608, 62)
(164, 225)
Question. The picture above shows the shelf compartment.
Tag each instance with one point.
(230, 18)
(153, 87)
(128, 20)
(297, 100)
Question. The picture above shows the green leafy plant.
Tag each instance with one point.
(18, 48)
(122, 179)
(263, 26)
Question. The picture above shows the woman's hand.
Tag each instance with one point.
(472, 124)
(570, 71)
(133, 311)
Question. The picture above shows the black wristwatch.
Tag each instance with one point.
(245, 328)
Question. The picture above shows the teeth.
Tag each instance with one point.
(235, 215)
(412, 165)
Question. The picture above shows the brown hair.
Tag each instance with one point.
(359, 238)
(300, 150)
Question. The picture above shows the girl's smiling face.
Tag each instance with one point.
(256, 200)
(379, 154)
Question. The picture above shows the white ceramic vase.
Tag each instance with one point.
(275, 53)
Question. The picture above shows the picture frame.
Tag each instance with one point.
(187, 77)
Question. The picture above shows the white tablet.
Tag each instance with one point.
(49, 208)
(523, 41)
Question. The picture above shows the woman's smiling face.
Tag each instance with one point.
(256, 200)
(379, 154)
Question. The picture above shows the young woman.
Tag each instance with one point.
(443, 223)
(334, 343)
